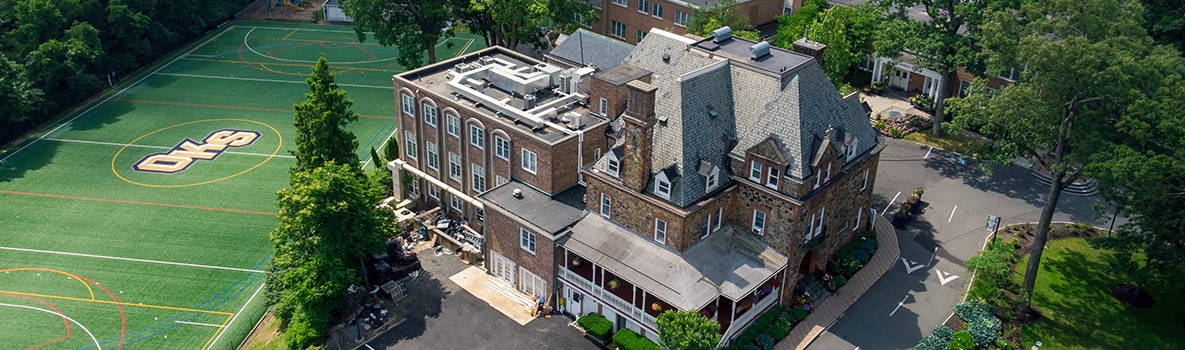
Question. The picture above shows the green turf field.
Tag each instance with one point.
(107, 241)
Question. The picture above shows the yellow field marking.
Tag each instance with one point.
(290, 65)
(122, 303)
(75, 277)
(459, 53)
(265, 160)
(215, 335)
(290, 34)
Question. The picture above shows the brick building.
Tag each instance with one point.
(631, 20)
(712, 174)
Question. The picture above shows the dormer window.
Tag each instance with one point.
(755, 172)
(612, 165)
(662, 186)
(851, 150)
(772, 181)
(713, 179)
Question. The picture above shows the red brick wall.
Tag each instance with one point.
(503, 237)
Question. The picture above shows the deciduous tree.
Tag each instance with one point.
(412, 26)
(1087, 65)
(687, 330)
(18, 97)
(723, 14)
(512, 22)
(327, 224)
(321, 135)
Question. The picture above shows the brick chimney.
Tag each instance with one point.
(639, 131)
(810, 48)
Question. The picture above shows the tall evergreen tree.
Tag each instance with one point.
(321, 119)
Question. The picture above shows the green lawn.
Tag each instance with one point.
(954, 142)
(1078, 312)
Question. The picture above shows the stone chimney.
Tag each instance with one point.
(810, 48)
(639, 132)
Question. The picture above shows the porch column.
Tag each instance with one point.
(877, 68)
(396, 175)
(934, 88)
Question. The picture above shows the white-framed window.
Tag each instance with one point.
(454, 166)
(787, 10)
(859, 212)
(597, 153)
(656, 11)
(530, 161)
(713, 179)
(410, 144)
(458, 205)
(964, 88)
(641, 35)
(660, 231)
(499, 180)
(864, 186)
(430, 117)
(433, 191)
(453, 124)
(818, 178)
(643, 6)
(415, 187)
(867, 63)
(433, 155)
(758, 222)
(755, 171)
(1013, 74)
(774, 176)
(681, 18)
(578, 18)
(663, 188)
(851, 149)
(502, 147)
(526, 240)
(477, 136)
(707, 227)
(409, 104)
(622, 2)
(479, 179)
(604, 105)
(719, 218)
(618, 29)
(828, 172)
(613, 167)
(606, 205)
(816, 227)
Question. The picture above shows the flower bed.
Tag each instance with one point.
(898, 128)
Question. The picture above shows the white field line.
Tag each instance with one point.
(109, 97)
(306, 29)
(267, 80)
(131, 259)
(891, 203)
(201, 324)
(88, 332)
(236, 316)
(159, 147)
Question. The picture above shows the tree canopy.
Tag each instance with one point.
(1165, 21)
(724, 13)
(512, 22)
(327, 224)
(846, 30)
(1088, 64)
(687, 330)
(321, 119)
(412, 26)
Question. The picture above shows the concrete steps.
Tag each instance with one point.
(1078, 188)
(501, 287)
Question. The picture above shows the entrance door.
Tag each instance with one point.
(808, 263)
(502, 267)
(573, 301)
(900, 78)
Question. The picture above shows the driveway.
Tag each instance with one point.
(441, 315)
(919, 292)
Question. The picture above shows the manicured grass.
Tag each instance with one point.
(955, 142)
(1078, 312)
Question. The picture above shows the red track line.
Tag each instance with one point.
(262, 109)
(123, 328)
(136, 202)
(55, 308)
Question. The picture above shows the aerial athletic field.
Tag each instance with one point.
(141, 220)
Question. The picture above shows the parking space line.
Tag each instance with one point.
(891, 203)
(952, 214)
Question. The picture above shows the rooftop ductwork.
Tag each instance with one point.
(759, 50)
(721, 34)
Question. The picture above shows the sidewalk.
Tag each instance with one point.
(835, 306)
(499, 294)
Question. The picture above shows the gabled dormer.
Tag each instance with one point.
(827, 155)
(663, 183)
(711, 174)
(766, 163)
(611, 162)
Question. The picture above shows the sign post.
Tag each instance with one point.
(993, 224)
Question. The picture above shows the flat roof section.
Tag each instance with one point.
(779, 61)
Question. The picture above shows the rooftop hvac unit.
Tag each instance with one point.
(721, 34)
(759, 50)
(462, 67)
(528, 102)
(485, 60)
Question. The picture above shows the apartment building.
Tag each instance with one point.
(631, 20)
(698, 174)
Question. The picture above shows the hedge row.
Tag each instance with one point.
(626, 339)
(596, 325)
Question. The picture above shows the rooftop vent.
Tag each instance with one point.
(721, 34)
(518, 193)
(759, 50)
(666, 57)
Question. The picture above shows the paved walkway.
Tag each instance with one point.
(835, 306)
(894, 101)
(500, 295)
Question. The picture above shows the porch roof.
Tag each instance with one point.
(729, 262)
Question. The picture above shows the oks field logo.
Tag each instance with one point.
(185, 153)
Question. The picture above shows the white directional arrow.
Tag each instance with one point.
(945, 277)
(911, 266)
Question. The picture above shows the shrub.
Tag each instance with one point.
(944, 333)
(750, 346)
(840, 281)
(931, 343)
(764, 341)
(962, 341)
(596, 325)
(861, 256)
(851, 265)
(799, 314)
(973, 309)
(626, 339)
(779, 329)
(869, 245)
(984, 330)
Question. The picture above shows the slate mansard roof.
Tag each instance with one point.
(713, 100)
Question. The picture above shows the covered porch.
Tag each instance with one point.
(902, 74)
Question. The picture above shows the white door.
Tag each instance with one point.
(532, 284)
(900, 78)
(573, 299)
(502, 267)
